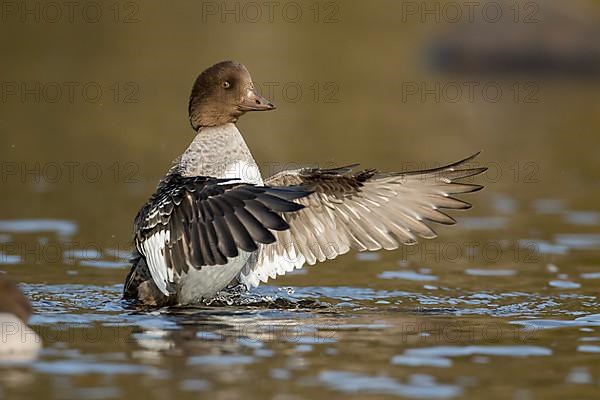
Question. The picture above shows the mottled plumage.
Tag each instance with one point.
(365, 211)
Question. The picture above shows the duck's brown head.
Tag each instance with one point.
(223, 93)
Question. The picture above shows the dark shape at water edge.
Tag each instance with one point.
(458, 58)
(557, 42)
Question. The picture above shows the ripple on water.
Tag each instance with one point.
(581, 217)
(562, 284)
(584, 321)
(194, 385)
(588, 348)
(104, 264)
(221, 360)
(280, 374)
(74, 367)
(579, 376)
(504, 204)
(9, 259)
(590, 275)
(82, 254)
(579, 241)
(417, 361)
(548, 206)
(407, 275)
(368, 256)
(420, 386)
(154, 340)
(62, 228)
(95, 393)
(490, 272)
(461, 351)
(344, 293)
(543, 246)
(483, 223)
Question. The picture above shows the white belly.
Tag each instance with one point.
(207, 281)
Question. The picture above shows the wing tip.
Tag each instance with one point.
(473, 171)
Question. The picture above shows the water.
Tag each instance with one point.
(420, 328)
(502, 306)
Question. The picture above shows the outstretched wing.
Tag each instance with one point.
(197, 221)
(368, 210)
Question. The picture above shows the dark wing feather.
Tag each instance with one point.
(195, 221)
(368, 210)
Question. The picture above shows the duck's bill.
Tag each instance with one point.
(255, 102)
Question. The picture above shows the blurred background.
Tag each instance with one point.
(93, 109)
(387, 84)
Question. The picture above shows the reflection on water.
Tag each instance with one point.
(61, 228)
(419, 333)
(419, 386)
(579, 240)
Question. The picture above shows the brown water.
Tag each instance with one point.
(504, 305)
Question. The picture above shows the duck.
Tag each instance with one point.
(19, 341)
(214, 222)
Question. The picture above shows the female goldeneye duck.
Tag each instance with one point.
(213, 221)
(18, 340)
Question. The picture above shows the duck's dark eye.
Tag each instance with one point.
(226, 85)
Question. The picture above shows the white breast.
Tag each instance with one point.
(220, 152)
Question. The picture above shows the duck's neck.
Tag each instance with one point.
(221, 152)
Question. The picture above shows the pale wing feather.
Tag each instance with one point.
(381, 212)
